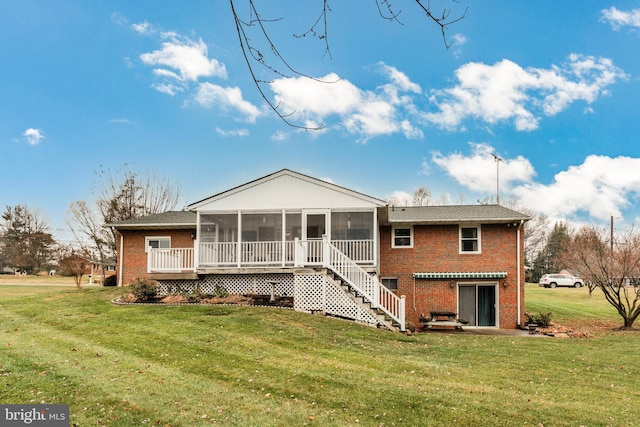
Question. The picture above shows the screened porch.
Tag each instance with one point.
(284, 238)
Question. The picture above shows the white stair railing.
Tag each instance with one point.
(378, 295)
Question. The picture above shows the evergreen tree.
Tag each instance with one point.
(549, 260)
(25, 241)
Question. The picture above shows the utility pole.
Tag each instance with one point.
(611, 234)
(498, 160)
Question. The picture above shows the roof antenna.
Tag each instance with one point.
(498, 160)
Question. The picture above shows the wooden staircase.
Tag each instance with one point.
(383, 320)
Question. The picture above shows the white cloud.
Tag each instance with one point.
(210, 95)
(458, 39)
(162, 72)
(167, 88)
(601, 186)
(309, 97)
(280, 136)
(33, 136)
(366, 113)
(618, 18)
(181, 63)
(233, 132)
(478, 171)
(189, 59)
(507, 92)
(456, 42)
(143, 28)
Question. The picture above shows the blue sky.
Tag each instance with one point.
(550, 87)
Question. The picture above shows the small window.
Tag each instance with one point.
(390, 283)
(157, 243)
(402, 237)
(469, 239)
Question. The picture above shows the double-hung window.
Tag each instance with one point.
(470, 239)
(402, 237)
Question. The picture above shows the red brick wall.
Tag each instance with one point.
(436, 249)
(134, 259)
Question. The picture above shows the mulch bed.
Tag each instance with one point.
(258, 300)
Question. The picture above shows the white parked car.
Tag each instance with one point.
(553, 280)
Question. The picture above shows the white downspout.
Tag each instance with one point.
(519, 257)
(120, 268)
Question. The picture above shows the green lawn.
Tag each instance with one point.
(12, 279)
(208, 365)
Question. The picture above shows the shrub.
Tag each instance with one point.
(220, 292)
(144, 290)
(541, 319)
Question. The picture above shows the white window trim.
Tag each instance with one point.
(477, 227)
(393, 236)
(147, 238)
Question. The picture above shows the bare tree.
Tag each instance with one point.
(74, 264)
(87, 226)
(421, 196)
(399, 199)
(124, 195)
(261, 52)
(611, 266)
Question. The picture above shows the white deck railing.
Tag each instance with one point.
(287, 253)
(170, 260)
(246, 254)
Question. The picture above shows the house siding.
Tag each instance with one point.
(134, 257)
(436, 249)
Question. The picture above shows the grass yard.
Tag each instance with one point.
(250, 366)
(12, 279)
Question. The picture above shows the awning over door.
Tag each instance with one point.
(461, 275)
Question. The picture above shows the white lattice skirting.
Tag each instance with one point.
(240, 284)
(311, 292)
(316, 292)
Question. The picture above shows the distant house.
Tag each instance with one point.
(98, 271)
(337, 251)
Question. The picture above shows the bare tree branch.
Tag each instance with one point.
(271, 58)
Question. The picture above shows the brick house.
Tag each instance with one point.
(337, 251)
(466, 259)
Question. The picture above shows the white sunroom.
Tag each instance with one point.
(282, 220)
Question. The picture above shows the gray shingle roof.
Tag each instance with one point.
(167, 220)
(452, 214)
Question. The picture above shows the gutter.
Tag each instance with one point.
(519, 273)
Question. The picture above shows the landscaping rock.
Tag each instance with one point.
(559, 331)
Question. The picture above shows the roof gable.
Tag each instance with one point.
(286, 189)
